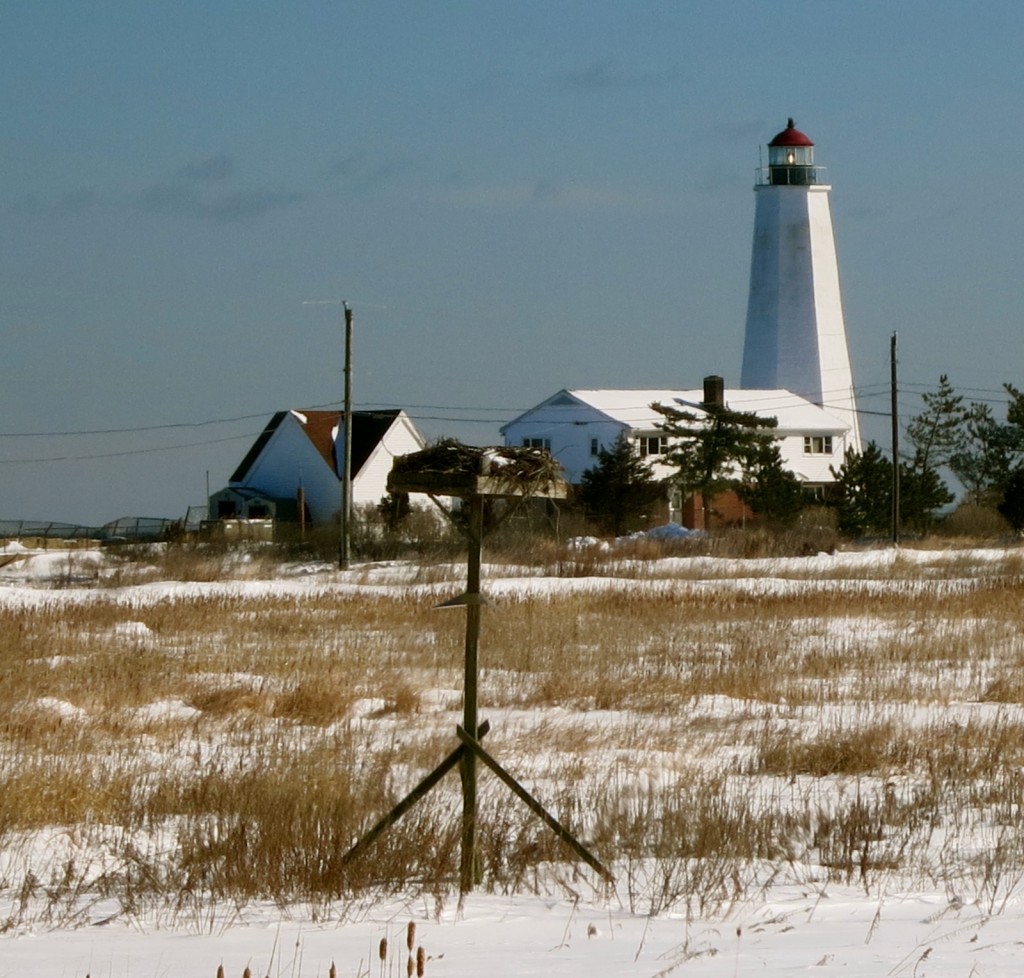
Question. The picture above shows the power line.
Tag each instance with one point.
(866, 392)
(446, 407)
(135, 430)
(261, 414)
(132, 451)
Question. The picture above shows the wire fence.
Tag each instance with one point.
(124, 530)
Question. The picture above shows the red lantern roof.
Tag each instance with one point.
(791, 136)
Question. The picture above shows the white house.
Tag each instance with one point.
(575, 425)
(299, 455)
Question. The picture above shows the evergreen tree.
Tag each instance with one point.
(619, 488)
(712, 453)
(922, 493)
(863, 494)
(1015, 409)
(937, 433)
(1011, 507)
(863, 491)
(991, 450)
(770, 489)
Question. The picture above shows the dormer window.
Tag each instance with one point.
(817, 444)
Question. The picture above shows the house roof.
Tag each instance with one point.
(368, 428)
(257, 446)
(633, 407)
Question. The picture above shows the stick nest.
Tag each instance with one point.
(454, 467)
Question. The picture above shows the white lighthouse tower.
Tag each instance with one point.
(796, 337)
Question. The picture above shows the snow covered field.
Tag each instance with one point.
(956, 908)
(840, 931)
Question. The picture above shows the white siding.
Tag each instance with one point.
(371, 483)
(569, 428)
(290, 459)
(570, 419)
(811, 468)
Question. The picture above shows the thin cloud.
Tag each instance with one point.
(68, 204)
(606, 75)
(189, 194)
(211, 170)
(357, 173)
(243, 205)
(170, 198)
(560, 196)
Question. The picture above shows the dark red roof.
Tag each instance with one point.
(791, 136)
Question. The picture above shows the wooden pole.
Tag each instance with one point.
(420, 791)
(345, 530)
(471, 749)
(895, 445)
(475, 747)
(468, 868)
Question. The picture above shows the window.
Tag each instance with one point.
(653, 444)
(595, 446)
(817, 444)
(544, 443)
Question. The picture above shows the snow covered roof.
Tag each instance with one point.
(633, 407)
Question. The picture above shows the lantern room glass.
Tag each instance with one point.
(790, 155)
(792, 166)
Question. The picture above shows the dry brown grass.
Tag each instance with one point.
(694, 725)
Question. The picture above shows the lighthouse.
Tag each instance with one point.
(796, 336)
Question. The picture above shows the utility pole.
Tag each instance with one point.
(895, 445)
(344, 431)
(345, 530)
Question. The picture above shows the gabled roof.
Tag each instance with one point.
(368, 428)
(257, 447)
(322, 428)
(632, 408)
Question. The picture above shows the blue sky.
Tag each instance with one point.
(514, 196)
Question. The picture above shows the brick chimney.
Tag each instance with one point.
(714, 390)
